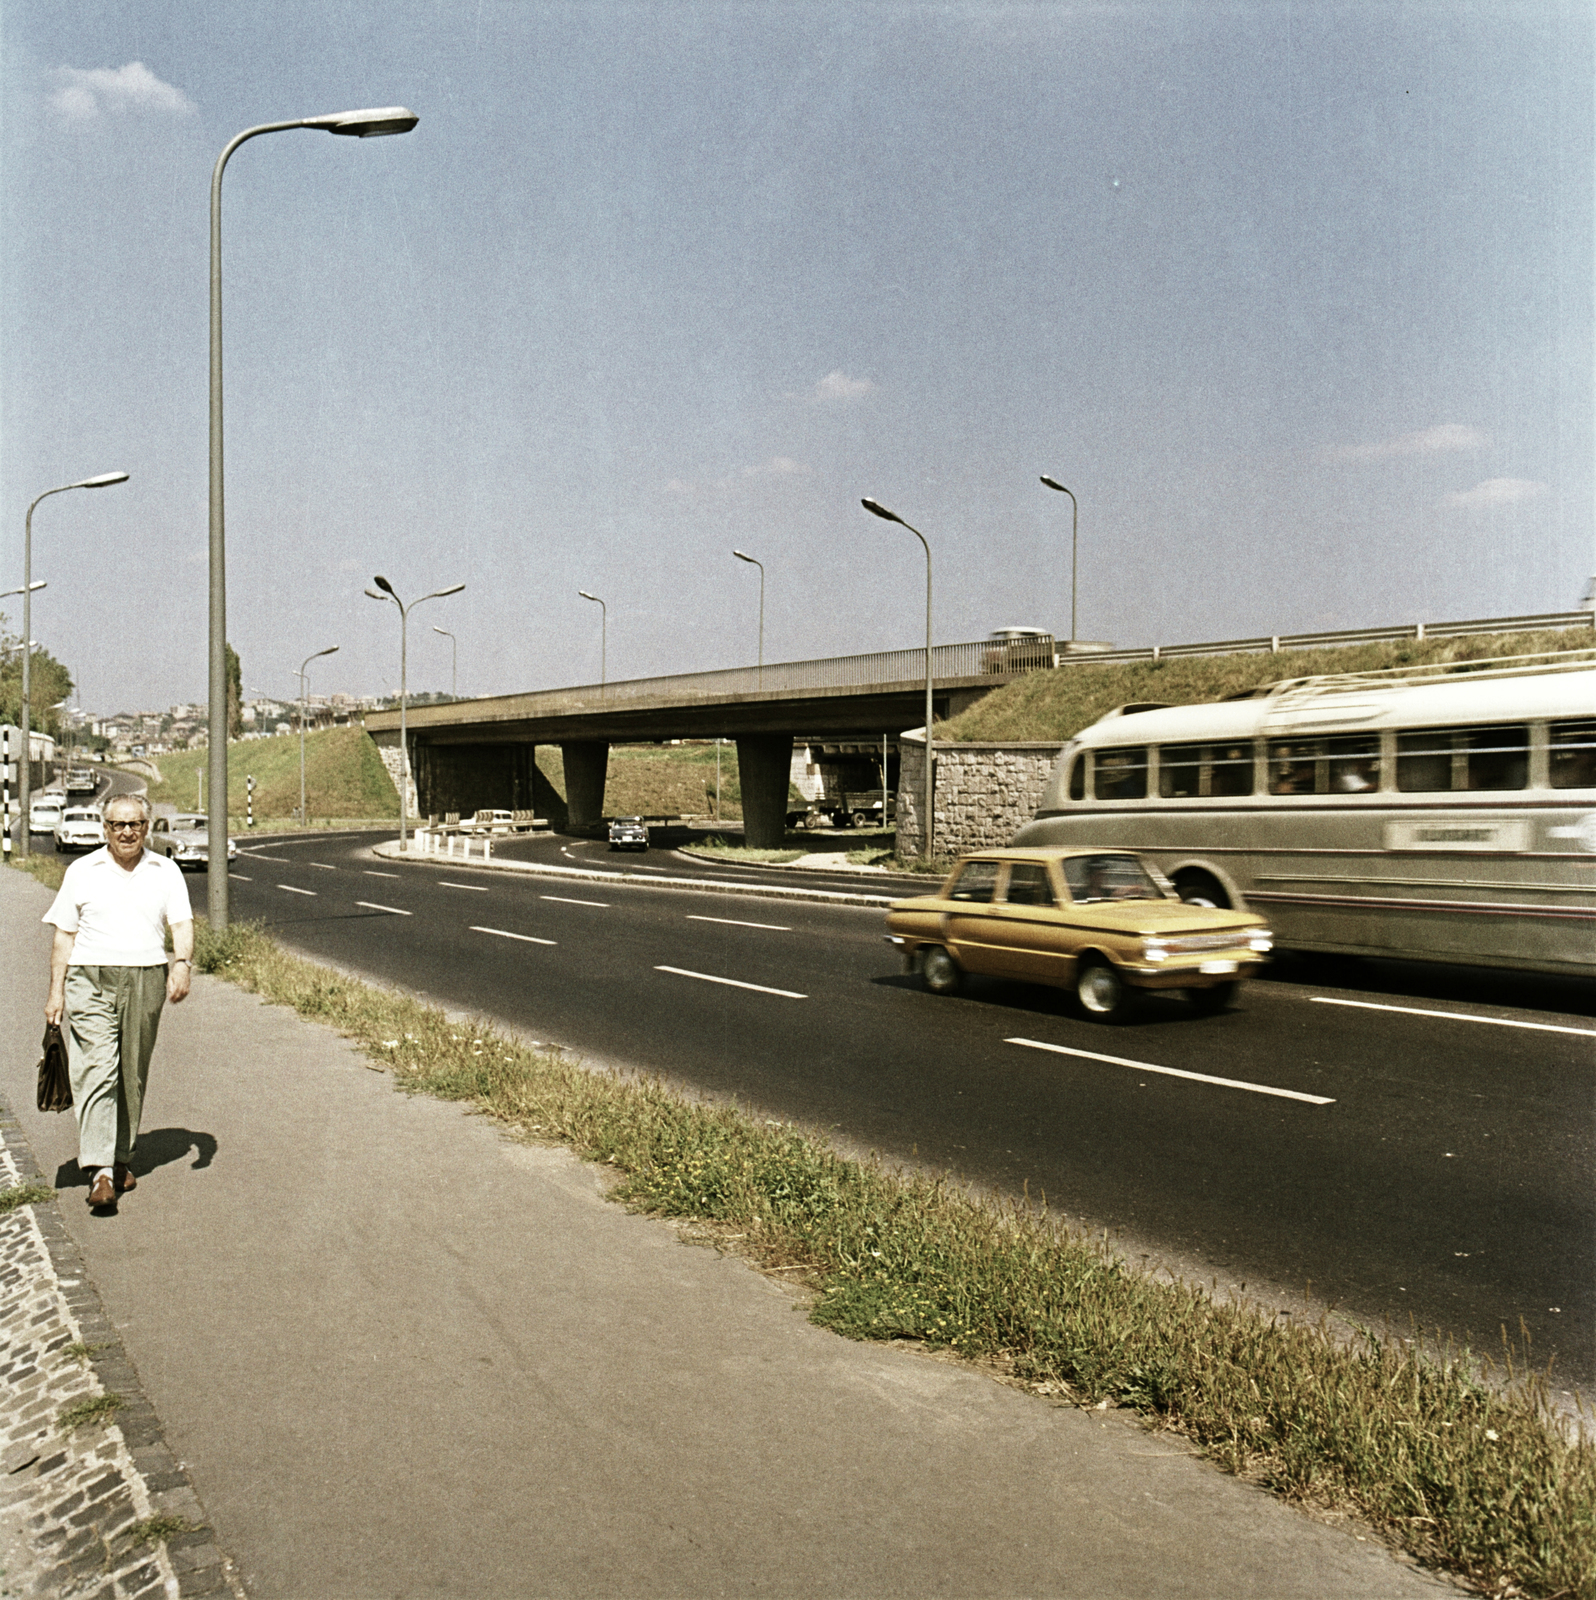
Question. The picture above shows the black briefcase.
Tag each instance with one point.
(55, 1083)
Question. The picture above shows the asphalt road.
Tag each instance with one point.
(1447, 1182)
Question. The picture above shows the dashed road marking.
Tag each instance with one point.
(290, 889)
(367, 872)
(1456, 1016)
(371, 905)
(732, 922)
(475, 888)
(238, 877)
(504, 933)
(733, 983)
(565, 900)
(1176, 1072)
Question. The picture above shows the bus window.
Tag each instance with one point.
(1498, 758)
(1573, 755)
(1231, 769)
(1078, 777)
(1291, 766)
(1180, 768)
(1354, 764)
(1424, 761)
(1120, 774)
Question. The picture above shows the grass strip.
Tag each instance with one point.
(1472, 1476)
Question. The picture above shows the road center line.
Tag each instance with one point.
(1175, 1072)
(370, 874)
(475, 888)
(371, 905)
(321, 866)
(732, 922)
(566, 901)
(1456, 1016)
(733, 983)
(239, 877)
(276, 861)
(504, 933)
(290, 889)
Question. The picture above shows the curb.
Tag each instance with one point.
(67, 1537)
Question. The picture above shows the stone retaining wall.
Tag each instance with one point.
(981, 793)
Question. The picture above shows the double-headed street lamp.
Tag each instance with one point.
(360, 125)
(104, 481)
(331, 650)
(928, 831)
(604, 635)
(1075, 531)
(404, 634)
(454, 661)
(760, 564)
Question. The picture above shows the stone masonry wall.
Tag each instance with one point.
(388, 747)
(981, 793)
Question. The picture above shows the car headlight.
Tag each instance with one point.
(1261, 939)
(1154, 950)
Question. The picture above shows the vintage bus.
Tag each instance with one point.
(1444, 813)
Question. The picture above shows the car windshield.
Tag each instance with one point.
(1109, 877)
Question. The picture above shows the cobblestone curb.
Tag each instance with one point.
(71, 1499)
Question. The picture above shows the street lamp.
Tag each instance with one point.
(454, 661)
(104, 481)
(876, 509)
(404, 635)
(1075, 530)
(331, 650)
(604, 635)
(760, 564)
(361, 125)
(33, 588)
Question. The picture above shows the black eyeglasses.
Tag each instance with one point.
(126, 827)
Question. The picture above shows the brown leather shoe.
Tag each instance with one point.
(102, 1192)
(124, 1177)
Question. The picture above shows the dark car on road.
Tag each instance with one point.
(628, 833)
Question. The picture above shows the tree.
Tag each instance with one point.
(49, 683)
(235, 695)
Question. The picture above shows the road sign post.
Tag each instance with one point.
(5, 790)
(249, 800)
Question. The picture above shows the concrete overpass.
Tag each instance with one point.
(474, 753)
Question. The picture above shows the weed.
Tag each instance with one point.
(24, 1194)
(157, 1530)
(80, 1352)
(92, 1408)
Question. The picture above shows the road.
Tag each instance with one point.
(1447, 1182)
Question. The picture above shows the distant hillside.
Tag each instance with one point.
(1057, 705)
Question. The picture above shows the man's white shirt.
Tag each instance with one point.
(120, 917)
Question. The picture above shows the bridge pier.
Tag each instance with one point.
(764, 769)
(586, 765)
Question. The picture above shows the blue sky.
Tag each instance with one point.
(1296, 298)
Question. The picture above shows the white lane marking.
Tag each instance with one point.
(289, 888)
(733, 983)
(321, 866)
(370, 874)
(566, 901)
(1175, 1072)
(732, 922)
(371, 905)
(238, 877)
(504, 933)
(276, 861)
(1456, 1016)
(475, 888)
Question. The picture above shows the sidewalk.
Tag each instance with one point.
(400, 1355)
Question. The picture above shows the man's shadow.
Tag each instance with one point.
(157, 1147)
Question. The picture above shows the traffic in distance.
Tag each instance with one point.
(1444, 816)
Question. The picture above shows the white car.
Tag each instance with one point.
(80, 828)
(184, 839)
(43, 815)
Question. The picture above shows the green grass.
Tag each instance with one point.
(1057, 705)
(92, 1408)
(1465, 1468)
(24, 1194)
(80, 1352)
(48, 869)
(157, 1530)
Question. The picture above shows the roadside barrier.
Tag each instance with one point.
(439, 842)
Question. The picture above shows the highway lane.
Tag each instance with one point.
(1448, 1177)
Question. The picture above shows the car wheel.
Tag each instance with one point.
(1199, 888)
(1103, 993)
(941, 972)
(860, 819)
(1209, 1002)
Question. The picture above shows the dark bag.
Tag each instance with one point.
(55, 1084)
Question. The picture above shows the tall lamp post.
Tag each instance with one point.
(331, 650)
(760, 564)
(1075, 539)
(604, 635)
(454, 661)
(876, 509)
(404, 690)
(104, 481)
(360, 125)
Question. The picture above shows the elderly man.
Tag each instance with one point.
(109, 978)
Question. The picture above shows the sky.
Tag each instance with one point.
(1296, 298)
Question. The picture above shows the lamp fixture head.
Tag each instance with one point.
(383, 584)
(1052, 485)
(104, 481)
(374, 124)
(876, 509)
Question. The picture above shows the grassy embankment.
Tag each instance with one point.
(660, 780)
(1474, 1477)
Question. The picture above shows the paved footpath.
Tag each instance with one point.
(396, 1354)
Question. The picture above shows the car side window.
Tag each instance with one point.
(976, 882)
(160, 825)
(1028, 885)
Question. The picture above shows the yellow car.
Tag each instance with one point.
(1104, 923)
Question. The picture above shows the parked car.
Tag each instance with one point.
(80, 828)
(44, 814)
(184, 839)
(628, 833)
(1104, 923)
(1019, 650)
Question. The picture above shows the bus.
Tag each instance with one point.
(1442, 813)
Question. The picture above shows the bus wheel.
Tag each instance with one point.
(1209, 1002)
(941, 971)
(1104, 995)
(1199, 888)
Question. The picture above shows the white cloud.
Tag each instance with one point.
(1495, 492)
(839, 386)
(1445, 438)
(82, 93)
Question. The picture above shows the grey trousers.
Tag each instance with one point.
(113, 1015)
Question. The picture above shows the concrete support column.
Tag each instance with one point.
(764, 769)
(586, 765)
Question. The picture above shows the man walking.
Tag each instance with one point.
(109, 978)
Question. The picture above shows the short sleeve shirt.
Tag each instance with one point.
(120, 917)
